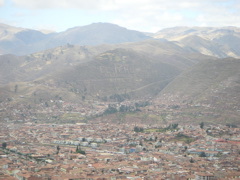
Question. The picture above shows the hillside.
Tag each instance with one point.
(119, 71)
(219, 42)
(210, 88)
(37, 65)
(183, 84)
(135, 70)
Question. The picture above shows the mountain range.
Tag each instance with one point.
(194, 69)
(219, 42)
(22, 41)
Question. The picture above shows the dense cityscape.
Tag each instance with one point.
(106, 150)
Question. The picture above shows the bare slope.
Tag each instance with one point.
(119, 71)
(38, 65)
(212, 86)
(140, 69)
(220, 42)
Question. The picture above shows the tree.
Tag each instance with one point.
(4, 145)
(191, 160)
(58, 149)
(83, 98)
(110, 110)
(174, 126)
(78, 150)
(16, 88)
(138, 129)
(201, 125)
(202, 154)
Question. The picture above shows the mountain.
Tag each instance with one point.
(179, 72)
(209, 91)
(38, 65)
(219, 42)
(119, 71)
(20, 41)
(96, 34)
(139, 69)
(8, 32)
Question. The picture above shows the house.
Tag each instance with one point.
(205, 176)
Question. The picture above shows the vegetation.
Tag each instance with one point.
(184, 138)
(191, 160)
(138, 129)
(110, 110)
(202, 154)
(142, 104)
(171, 127)
(119, 97)
(58, 149)
(4, 145)
(16, 88)
(201, 125)
(80, 151)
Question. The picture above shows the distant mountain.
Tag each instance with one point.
(21, 41)
(210, 89)
(96, 34)
(7, 32)
(220, 42)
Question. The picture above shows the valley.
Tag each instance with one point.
(87, 103)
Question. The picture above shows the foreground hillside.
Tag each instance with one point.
(72, 82)
(209, 90)
(136, 69)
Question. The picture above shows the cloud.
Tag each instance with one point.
(117, 4)
(161, 14)
(149, 15)
(79, 4)
(1, 2)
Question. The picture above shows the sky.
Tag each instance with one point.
(140, 15)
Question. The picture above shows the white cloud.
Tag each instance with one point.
(115, 4)
(151, 15)
(170, 13)
(1, 2)
(79, 4)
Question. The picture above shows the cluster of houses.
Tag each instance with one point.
(115, 151)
